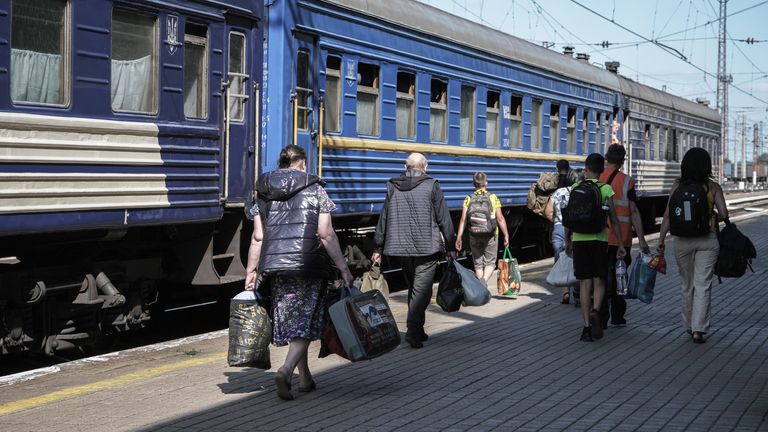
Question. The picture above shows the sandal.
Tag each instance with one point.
(566, 298)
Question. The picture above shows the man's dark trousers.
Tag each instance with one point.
(419, 274)
(616, 303)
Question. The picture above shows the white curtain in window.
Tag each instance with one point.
(191, 100)
(437, 124)
(366, 114)
(35, 76)
(491, 129)
(132, 85)
(515, 134)
(405, 118)
(332, 92)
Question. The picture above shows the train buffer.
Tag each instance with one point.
(509, 365)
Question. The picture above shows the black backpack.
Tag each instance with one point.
(585, 213)
(480, 215)
(736, 252)
(689, 212)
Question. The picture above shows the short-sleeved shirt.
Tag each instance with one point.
(324, 203)
(495, 203)
(605, 192)
(559, 201)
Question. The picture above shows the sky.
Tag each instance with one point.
(689, 28)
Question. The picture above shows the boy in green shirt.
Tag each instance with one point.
(590, 253)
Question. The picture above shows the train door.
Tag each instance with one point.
(239, 150)
(306, 109)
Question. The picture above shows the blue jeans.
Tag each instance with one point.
(558, 239)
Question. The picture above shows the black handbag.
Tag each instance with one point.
(450, 294)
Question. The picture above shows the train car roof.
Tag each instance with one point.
(428, 19)
(650, 94)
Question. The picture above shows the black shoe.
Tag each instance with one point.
(566, 298)
(586, 335)
(597, 328)
(424, 337)
(414, 342)
(621, 322)
(698, 337)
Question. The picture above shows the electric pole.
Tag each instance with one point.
(754, 155)
(744, 149)
(722, 89)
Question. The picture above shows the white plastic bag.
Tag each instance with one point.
(561, 274)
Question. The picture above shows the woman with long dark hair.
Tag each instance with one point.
(294, 246)
(696, 256)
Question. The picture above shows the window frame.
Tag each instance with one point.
(244, 97)
(472, 138)
(155, 63)
(206, 66)
(536, 124)
(496, 143)
(410, 96)
(65, 75)
(337, 97)
(584, 134)
(370, 90)
(554, 137)
(303, 110)
(441, 106)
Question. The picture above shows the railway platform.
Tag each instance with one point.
(509, 365)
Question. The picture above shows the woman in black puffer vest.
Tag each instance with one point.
(293, 245)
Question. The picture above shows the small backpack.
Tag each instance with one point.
(689, 212)
(736, 252)
(480, 215)
(585, 213)
(541, 190)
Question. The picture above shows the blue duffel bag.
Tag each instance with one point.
(475, 291)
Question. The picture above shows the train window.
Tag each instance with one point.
(657, 143)
(406, 105)
(236, 74)
(467, 119)
(39, 52)
(302, 89)
(134, 62)
(554, 128)
(332, 117)
(492, 120)
(584, 134)
(536, 125)
(195, 71)
(669, 154)
(438, 110)
(647, 140)
(516, 122)
(367, 99)
(598, 133)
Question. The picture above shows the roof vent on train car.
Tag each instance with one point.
(612, 66)
(582, 57)
(568, 50)
(702, 101)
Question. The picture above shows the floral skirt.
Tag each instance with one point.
(297, 309)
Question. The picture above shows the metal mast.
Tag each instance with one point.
(722, 90)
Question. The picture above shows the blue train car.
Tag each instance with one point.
(361, 84)
(128, 147)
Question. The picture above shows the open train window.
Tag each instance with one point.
(536, 125)
(467, 115)
(438, 110)
(492, 120)
(367, 99)
(669, 154)
(134, 62)
(302, 89)
(584, 134)
(516, 122)
(554, 128)
(406, 105)
(332, 117)
(40, 52)
(195, 71)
